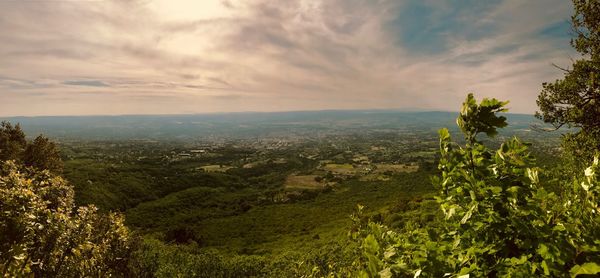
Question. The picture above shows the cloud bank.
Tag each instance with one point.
(187, 56)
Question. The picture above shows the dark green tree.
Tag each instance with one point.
(12, 141)
(574, 100)
(43, 155)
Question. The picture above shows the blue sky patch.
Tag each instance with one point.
(428, 29)
(560, 30)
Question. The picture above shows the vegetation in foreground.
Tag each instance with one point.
(501, 216)
(42, 233)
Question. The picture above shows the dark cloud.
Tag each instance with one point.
(89, 83)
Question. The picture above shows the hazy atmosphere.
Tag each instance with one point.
(178, 57)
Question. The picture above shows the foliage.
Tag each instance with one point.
(45, 235)
(157, 259)
(475, 119)
(41, 153)
(575, 100)
(499, 218)
(12, 141)
(586, 23)
(218, 217)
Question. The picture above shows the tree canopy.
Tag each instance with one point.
(12, 141)
(41, 153)
(574, 100)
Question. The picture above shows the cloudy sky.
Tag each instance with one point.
(81, 57)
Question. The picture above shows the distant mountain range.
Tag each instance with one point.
(244, 125)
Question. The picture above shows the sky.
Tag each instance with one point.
(107, 57)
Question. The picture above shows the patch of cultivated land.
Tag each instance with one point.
(344, 169)
(375, 177)
(302, 182)
(215, 168)
(397, 168)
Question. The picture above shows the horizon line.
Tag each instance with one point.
(250, 112)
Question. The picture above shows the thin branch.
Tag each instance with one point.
(536, 127)
(561, 68)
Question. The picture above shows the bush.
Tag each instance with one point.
(500, 219)
(44, 234)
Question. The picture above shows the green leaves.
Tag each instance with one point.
(586, 268)
(43, 235)
(372, 250)
(500, 220)
(468, 214)
(444, 134)
(482, 118)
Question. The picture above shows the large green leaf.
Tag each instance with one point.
(586, 268)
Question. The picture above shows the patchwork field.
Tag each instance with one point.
(302, 182)
(396, 168)
(342, 169)
(215, 168)
(375, 177)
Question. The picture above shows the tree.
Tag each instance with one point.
(43, 234)
(12, 141)
(43, 155)
(574, 101)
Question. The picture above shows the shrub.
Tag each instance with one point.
(44, 234)
(500, 219)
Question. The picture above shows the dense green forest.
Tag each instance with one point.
(500, 200)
